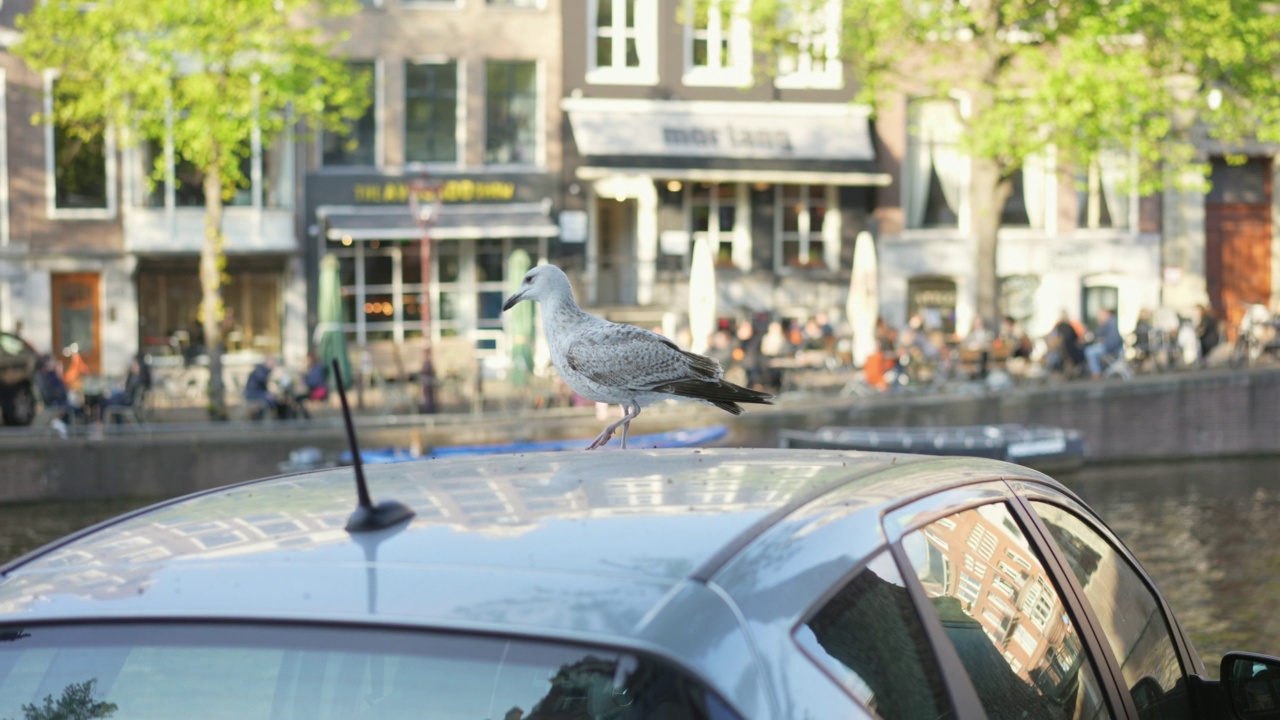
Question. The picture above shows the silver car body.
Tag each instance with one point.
(709, 558)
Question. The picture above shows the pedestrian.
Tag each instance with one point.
(1206, 333)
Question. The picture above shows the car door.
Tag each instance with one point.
(1009, 633)
(1154, 660)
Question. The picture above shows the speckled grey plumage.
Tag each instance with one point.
(621, 364)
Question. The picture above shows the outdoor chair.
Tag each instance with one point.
(134, 412)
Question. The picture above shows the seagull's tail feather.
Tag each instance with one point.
(721, 393)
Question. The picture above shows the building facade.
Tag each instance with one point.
(461, 146)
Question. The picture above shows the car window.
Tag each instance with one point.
(869, 636)
(257, 671)
(1128, 612)
(1002, 612)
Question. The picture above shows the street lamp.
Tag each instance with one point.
(426, 214)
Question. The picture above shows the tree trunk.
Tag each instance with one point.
(211, 264)
(989, 193)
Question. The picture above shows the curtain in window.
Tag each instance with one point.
(1113, 166)
(937, 130)
(1034, 180)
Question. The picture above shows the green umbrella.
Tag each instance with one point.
(520, 320)
(333, 341)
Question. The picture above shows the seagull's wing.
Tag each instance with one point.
(626, 356)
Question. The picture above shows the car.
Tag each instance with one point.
(710, 584)
(18, 364)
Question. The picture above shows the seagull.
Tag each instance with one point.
(622, 364)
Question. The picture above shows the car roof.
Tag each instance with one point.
(517, 543)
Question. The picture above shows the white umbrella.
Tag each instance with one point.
(863, 306)
(702, 296)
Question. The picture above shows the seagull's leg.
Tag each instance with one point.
(603, 437)
(626, 422)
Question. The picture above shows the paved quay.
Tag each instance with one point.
(1195, 414)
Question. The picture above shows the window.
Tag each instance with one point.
(511, 113)
(936, 170)
(183, 670)
(1014, 665)
(717, 43)
(360, 145)
(1102, 192)
(623, 43)
(868, 636)
(807, 236)
(77, 166)
(1027, 204)
(1095, 298)
(713, 214)
(934, 300)
(810, 56)
(274, 185)
(1127, 611)
(431, 112)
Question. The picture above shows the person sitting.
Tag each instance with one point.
(1108, 344)
(258, 392)
(136, 383)
(1065, 352)
(315, 384)
(54, 394)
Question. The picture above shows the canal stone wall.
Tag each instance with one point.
(1157, 417)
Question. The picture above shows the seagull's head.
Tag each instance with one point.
(542, 283)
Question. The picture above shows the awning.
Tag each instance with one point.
(469, 222)
(739, 130)
(742, 175)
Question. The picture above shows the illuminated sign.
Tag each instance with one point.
(451, 191)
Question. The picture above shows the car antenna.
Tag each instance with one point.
(367, 516)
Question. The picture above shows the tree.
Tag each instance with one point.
(1081, 79)
(204, 75)
(76, 703)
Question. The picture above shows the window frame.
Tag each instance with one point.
(1090, 193)
(829, 235)
(111, 171)
(646, 38)
(913, 146)
(539, 115)
(378, 107)
(804, 77)
(737, 36)
(459, 112)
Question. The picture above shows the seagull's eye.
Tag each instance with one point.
(528, 280)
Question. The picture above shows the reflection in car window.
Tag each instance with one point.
(1128, 613)
(1005, 618)
(244, 671)
(869, 636)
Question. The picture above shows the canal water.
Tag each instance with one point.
(1208, 532)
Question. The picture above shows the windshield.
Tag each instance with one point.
(273, 672)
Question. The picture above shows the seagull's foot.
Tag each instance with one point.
(601, 439)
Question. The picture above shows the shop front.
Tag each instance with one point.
(375, 226)
(778, 189)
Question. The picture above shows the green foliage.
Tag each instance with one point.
(208, 67)
(1081, 75)
(76, 703)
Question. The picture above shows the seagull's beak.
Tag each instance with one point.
(511, 301)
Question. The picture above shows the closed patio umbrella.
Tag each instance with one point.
(702, 296)
(519, 320)
(863, 306)
(331, 341)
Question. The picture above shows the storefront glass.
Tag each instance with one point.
(169, 315)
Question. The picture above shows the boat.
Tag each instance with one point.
(1042, 447)
(672, 439)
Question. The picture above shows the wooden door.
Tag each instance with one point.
(1238, 239)
(76, 318)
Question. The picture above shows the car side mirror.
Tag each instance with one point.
(1252, 685)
